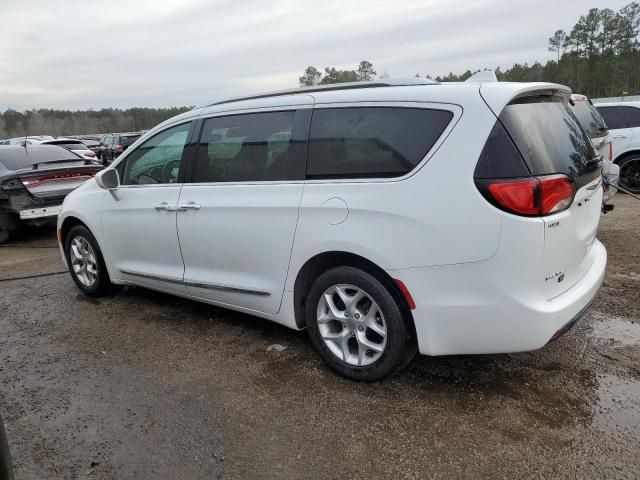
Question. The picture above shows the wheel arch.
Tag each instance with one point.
(324, 261)
(628, 153)
(73, 220)
(67, 224)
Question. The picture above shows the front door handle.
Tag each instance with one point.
(164, 206)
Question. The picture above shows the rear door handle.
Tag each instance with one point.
(619, 136)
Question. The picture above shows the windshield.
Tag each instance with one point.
(549, 136)
(590, 119)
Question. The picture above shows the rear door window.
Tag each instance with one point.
(633, 116)
(613, 117)
(549, 136)
(362, 142)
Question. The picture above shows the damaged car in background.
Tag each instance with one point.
(34, 181)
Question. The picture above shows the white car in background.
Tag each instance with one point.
(76, 146)
(623, 120)
(384, 217)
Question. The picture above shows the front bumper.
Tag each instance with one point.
(470, 309)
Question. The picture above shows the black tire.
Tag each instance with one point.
(400, 346)
(102, 284)
(4, 235)
(6, 472)
(630, 173)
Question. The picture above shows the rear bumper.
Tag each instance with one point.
(474, 309)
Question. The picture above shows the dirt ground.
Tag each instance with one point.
(145, 385)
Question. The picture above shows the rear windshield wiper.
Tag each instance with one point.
(595, 160)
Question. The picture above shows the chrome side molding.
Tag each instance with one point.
(191, 283)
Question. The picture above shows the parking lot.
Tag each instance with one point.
(146, 385)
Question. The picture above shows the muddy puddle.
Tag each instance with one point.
(616, 330)
(618, 407)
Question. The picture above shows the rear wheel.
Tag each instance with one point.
(630, 173)
(86, 263)
(356, 325)
(4, 235)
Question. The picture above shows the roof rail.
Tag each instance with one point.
(396, 82)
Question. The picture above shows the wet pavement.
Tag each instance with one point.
(145, 385)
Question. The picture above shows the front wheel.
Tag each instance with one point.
(86, 263)
(630, 174)
(356, 325)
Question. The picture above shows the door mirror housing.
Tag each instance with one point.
(108, 179)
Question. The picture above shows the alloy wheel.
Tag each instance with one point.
(83, 261)
(630, 175)
(351, 325)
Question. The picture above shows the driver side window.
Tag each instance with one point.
(157, 161)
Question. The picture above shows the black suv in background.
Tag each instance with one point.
(116, 143)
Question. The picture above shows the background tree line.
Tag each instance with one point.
(65, 122)
(599, 57)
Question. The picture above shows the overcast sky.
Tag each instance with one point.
(116, 53)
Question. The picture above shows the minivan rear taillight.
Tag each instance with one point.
(533, 196)
(119, 149)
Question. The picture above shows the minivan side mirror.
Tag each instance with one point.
(108, 179)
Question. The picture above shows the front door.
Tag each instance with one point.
(247, 184)
(139, 218)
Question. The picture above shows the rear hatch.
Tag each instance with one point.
(56, 180)
(553, 143)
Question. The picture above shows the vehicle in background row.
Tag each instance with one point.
(28, 140)
(384, 217)
(116, 143)
(596, 128)
(623, 120)
(34, 181)
(6, 471)
(95, 146)
(76, 146)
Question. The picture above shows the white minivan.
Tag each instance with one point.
(384, 217)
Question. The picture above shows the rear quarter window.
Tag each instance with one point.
(369, 142)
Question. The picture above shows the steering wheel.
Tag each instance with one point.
(167, 170)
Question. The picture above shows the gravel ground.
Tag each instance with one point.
(145, 385)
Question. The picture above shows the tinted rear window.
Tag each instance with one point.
(590, 119)
(613, 117)
(549, 136)
(371, 141)
(15, 157)
(126, 141)
(69, 145)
